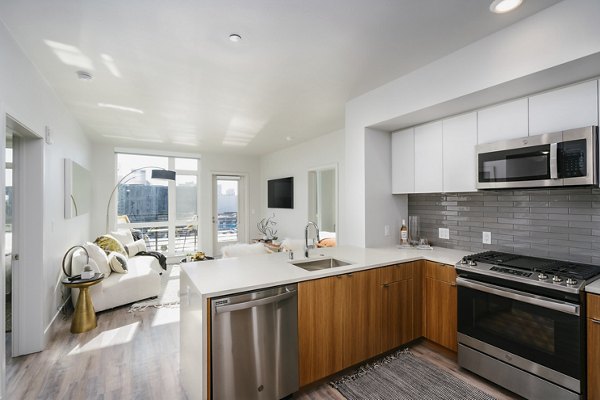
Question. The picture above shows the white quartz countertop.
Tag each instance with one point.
(593, 287)
(251, 272)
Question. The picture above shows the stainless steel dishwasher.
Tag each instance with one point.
(254, 341)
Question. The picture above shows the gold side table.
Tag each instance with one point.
(84, 317)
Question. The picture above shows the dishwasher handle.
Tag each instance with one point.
(254, 303)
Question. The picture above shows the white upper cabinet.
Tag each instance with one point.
(403, 161)
(567, 108)
(459, 141)
(504, 121)
(428, 158)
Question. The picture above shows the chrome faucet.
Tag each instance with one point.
(312, 246)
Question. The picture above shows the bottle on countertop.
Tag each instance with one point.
(403, 233)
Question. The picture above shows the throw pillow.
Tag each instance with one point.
(123, 235)
(99, 257)
(108, 243)
(117, 262)
(135, 247)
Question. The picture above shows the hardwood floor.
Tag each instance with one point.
(136, 356)
(128, 356)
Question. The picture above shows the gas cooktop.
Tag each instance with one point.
(554, 274)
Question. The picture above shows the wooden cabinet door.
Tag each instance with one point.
(403, 161)
(397, 322)
(362, 316)
(441, 305)
(593, 346)
(320, 318)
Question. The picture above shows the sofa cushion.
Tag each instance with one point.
(117, 262)
(133, 248)
(80, 260)
(108, 243)
(124, 236)
(99, 256)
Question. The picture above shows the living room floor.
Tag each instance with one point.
(136, 356)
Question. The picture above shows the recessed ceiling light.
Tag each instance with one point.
(84, 76)
(289, 138)
(234, 37)
(502, 6)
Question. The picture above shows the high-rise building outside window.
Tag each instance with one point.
(164, 213)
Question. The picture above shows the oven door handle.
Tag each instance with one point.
(545, 302)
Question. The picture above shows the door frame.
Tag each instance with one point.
(28, 334)
(243, 206)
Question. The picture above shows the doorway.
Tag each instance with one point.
(10, 197)
(229, 211)
(22, 222)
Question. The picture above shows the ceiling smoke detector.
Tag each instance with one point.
(234, 37)
(503, 6)
(84, 76)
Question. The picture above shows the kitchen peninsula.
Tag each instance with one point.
(202, 281)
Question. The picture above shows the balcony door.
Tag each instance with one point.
(229, 211)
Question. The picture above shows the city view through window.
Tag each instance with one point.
(143, 203)
(227, 210)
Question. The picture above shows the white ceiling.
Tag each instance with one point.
(298, 64)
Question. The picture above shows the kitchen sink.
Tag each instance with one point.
(322, 263)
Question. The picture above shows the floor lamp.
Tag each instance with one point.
(157, 173)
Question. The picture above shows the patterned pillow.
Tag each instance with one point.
(118, 262)
(108, 243)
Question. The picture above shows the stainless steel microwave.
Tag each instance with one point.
(566, 158)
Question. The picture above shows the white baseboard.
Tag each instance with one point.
(60, 308)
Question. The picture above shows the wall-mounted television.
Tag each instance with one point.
(281, 193)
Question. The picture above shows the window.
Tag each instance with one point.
(163, 212)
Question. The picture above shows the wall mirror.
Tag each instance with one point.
(78, 189)
(323, 199)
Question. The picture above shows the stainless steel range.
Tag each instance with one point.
(521, 322)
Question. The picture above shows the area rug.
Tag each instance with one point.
(169, 292)
(404, 376)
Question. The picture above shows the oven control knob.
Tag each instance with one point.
(571, 281)
(472, 263)
(542, 276)
(464, 260)
(557, 278)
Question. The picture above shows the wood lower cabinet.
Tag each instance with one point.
(346, 319)
(397, 305)
(440, 305)
(593, 346)
(362, 313)
(319, 328)
(337, 323)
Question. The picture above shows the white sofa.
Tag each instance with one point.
(142, 281)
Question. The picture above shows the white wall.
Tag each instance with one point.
(382, 209)
(565, 32)
(296, 161)
(28, 99)
(103, 173)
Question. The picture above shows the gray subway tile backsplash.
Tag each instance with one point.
(559, 223)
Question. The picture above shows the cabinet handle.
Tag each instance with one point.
(339, 276)
(453, 284)
(387, 285)
(349, 275)
(596, 321)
